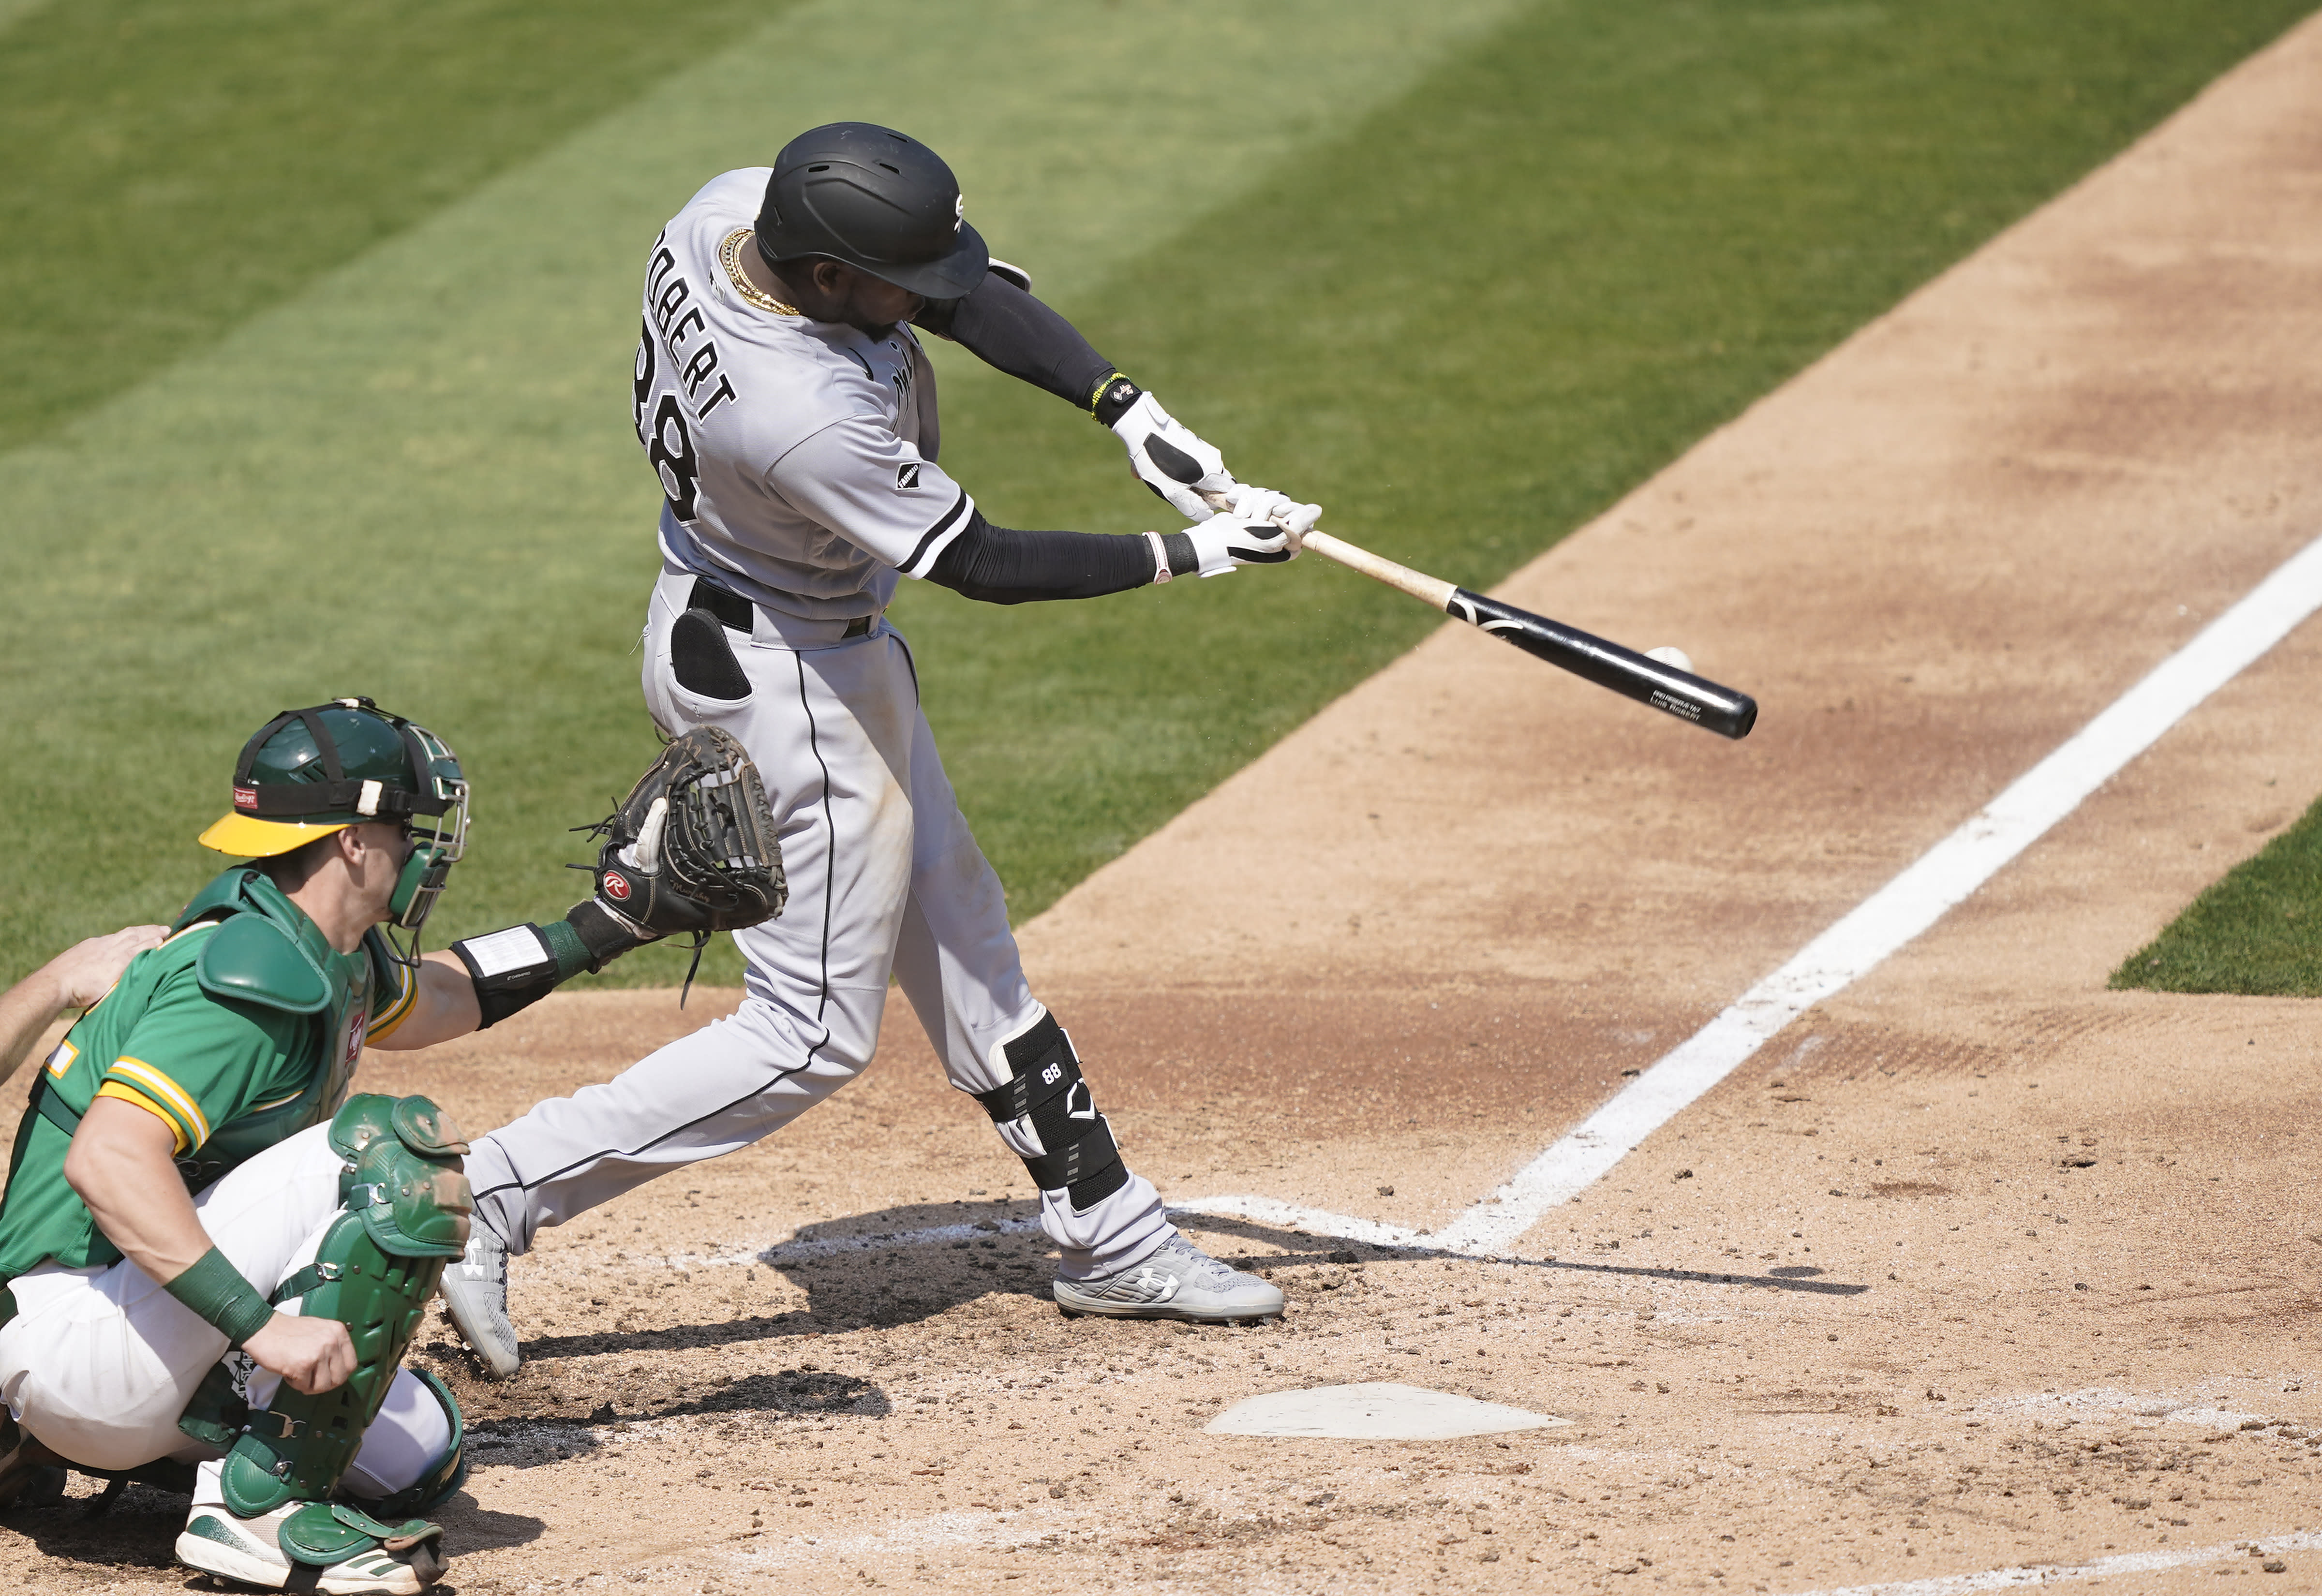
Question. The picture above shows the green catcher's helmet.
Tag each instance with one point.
(309, 772)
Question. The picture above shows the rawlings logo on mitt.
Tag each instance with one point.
(691, 850)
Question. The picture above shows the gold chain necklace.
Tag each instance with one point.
(730, 253)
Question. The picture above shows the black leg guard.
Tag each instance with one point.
(1045, 1087)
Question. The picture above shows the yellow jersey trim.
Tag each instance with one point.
(62, 1060)
(396, 1012)
(189, 1113)
(127, 1093)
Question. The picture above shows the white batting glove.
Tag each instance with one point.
(1170, 458)
(1252, 503)
(1247, 534)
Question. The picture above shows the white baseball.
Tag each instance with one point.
(1676, 657)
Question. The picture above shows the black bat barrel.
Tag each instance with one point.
(1689, 698)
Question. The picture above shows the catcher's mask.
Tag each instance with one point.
(309, 772)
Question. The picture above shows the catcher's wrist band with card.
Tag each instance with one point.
(220, 1293)
(517, 967)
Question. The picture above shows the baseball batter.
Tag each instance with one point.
(212, 1257)
(788, 409)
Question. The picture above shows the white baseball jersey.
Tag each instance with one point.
(797, 458)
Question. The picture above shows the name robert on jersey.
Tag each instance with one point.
(678, 320)
(666, 435)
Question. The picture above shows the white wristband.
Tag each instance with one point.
(1160, 558)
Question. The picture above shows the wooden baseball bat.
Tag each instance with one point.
(1665, 687)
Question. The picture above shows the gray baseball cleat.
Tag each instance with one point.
(1177, 1280)
(475, 1294)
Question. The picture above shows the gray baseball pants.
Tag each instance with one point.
(884, 878)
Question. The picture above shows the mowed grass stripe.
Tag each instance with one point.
(174, 167)
(13, 12)
(415, 478)
(1474, 325)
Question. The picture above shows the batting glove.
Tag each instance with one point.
(1263, 504)
(1170, 458)
(1258, 528)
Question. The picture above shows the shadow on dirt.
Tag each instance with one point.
(878, 1270)
(137, 1532)
(899, 1265)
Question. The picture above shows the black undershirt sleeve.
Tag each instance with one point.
(1001, 565)
(1009, 330)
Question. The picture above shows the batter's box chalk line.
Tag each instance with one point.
(1929, 888)
(2053, 1573)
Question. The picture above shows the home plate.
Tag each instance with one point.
(1374, 1411)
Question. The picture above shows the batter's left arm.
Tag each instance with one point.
(1004, 326)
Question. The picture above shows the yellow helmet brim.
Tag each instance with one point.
(245, 836)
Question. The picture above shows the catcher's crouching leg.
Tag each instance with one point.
(278, 1523)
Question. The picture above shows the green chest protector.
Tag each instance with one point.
(267, 953)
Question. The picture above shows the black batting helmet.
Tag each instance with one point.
(882, 202)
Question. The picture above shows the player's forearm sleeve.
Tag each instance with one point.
(222, 1294)
(1001, 565)
(1006, 328)
(516, 968)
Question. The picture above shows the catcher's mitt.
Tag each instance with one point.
(692, 850)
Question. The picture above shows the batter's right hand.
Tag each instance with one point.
(312, 1355)
(1258, 527)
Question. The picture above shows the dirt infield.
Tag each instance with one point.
(1976, 1265)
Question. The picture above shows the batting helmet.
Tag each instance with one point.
(879, 201)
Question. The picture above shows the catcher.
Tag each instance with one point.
(212, 1257)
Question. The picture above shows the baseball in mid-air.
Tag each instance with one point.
(1667, 655)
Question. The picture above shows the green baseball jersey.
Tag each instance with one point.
(219, 1040)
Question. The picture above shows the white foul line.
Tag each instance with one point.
(1942, 877)
(2044, 1574)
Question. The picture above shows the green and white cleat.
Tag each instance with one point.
(325, 1546)
(1176, 1281)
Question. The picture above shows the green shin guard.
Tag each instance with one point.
(323, 1533)
(408, 1207)
(296, 1448)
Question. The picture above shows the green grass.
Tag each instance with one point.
(1466, 299)
(1476, 323)
(174, 167)
(2257, 931)
(414, 476)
